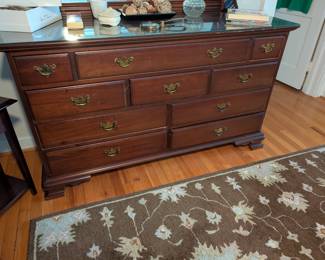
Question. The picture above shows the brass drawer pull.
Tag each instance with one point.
(223, 106)
(108, 126)
(268, 47)
(45, 70)
(112, 152)
(171, 88)
(80, 101)
(220, 131)
(215, 52)
(244, 78)
(124, 62)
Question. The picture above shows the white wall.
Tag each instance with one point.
(268, 6)
(7, 89)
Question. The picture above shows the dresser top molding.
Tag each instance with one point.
(58, 36)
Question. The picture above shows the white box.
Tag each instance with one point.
(30, 3)
(29, 20)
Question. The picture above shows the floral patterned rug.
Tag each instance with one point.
(274, 209)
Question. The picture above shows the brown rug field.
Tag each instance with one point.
(273, 209)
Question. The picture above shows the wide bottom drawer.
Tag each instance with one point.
(98, 155)
(205, 133)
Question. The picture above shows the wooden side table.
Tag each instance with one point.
(12, 188)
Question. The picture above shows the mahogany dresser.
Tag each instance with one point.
(107, 98)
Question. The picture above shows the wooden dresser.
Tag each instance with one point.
(98, 102)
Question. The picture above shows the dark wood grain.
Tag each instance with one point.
(29, 76)
(152, 89)
(54, 103)
(77, 130)
(68, 161)
(160, 58)
(259, 52)
(219, 107)
(259, 76)
(205, 133)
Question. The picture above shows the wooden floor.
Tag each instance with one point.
(293, 122)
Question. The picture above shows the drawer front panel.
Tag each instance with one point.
(244, 77)
(268, 47)
(93, 64)
(215, 131)
(69, 101)
(44, 69)
(101, 126)
(219, 107)
(165, 88)
(98, 155)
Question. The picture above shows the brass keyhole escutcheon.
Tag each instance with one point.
(244, 78)
(171, 88)
(223, 106)
(108, 126)
(220, 131)
(45, 70)
(124, 62)
(80, 101)
(112, 151)
(215, 52)
(268, 47)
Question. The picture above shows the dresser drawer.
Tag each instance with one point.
(268, 47)
(101, 126)
(244, 77)
(93, 64)
(44, 69)
(69, 101)
(98, 155)
(210, 109)
(215, 131)
(170, 87)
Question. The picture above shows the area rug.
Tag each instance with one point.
(273, 209)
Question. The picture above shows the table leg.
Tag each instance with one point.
(18, 153)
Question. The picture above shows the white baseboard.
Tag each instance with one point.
(25, 143)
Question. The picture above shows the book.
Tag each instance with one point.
(246, 15)
(248, 23)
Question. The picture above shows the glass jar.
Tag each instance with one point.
(193, 8)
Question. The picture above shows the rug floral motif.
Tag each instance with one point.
(271, 210)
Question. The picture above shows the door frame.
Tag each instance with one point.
(315, 81)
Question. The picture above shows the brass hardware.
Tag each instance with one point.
(220, 131)
(171, 88)
(124, 62)
(215, 52)
(112, 151)
(45, 70)
(80, 101)
(244, 78)
(108, 126)
(223, 106)
(268, 47)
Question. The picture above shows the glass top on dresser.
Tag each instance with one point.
(57, 32)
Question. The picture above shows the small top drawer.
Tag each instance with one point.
(209, 109)
(69, 101)
(103, 63)
(44, 69)
(268, 47)
(243, 77)
(169, 87)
